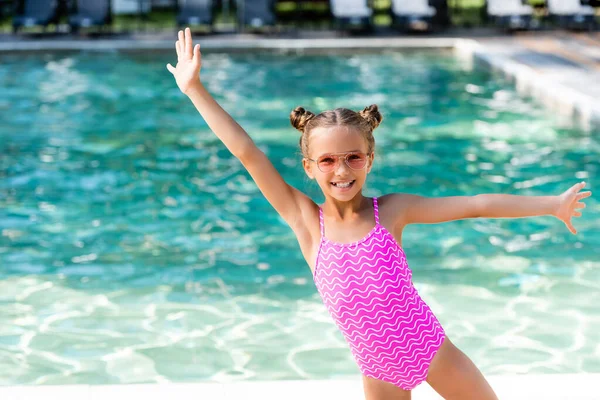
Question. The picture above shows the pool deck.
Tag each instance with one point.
(518, 387)
(562, 70)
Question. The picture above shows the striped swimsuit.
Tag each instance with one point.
(367, 288)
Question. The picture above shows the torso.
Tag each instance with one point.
(350, 232)
(366, 286)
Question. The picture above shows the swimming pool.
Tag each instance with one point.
(135, 249)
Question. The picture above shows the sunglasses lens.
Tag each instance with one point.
(326, 163)
(356, 161)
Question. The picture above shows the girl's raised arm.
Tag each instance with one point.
(289, 202)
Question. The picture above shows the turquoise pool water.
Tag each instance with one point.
(134, 248)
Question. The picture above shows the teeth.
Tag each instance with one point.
(342, 185)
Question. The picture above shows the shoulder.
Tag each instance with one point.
(395, 200)
(393, 206)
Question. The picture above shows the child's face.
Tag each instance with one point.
(332, 146)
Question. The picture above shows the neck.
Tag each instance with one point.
(346, 210)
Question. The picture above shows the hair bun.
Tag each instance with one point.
(299, 117)
(372, 115)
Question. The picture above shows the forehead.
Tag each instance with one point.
(338, 139)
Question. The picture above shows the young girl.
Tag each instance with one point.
(352, 243)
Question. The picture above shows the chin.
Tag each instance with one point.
(345, 196)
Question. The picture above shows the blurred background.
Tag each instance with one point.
(280, 16)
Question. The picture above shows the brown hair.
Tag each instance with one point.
(364, 121)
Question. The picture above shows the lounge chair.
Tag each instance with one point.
(195, 12)
(351, 13)
(256, 13)
(90, 13)
(130, 7)
(412, 14)
(511, 14)
(34, 13)
(571, 14)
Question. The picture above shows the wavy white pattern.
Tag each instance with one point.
(367, 288)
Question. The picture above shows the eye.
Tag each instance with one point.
(326, 160)
(354, 157)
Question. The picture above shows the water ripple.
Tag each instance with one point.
(134, 248)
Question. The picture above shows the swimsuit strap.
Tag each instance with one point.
(376, 210)
(321, 223)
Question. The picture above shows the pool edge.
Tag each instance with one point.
(547, 88)
(514, 387)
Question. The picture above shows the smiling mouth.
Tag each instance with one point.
(345, 185)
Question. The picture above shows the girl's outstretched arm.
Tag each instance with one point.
(425, 210)
(287, 201)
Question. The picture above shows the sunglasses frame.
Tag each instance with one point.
(337, 157)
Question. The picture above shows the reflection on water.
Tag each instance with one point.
(135, 248)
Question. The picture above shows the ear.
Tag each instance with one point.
(371, 159)
(308, 168)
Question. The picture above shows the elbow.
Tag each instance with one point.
(246, 152)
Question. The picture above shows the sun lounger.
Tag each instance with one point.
(195, 12)
(35, 13)
(90, 13)
(351, 13)
(256, 13)
(130, 7)
(511, 14)
(571, 14)
(412, 14)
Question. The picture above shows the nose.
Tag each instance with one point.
(341, 167)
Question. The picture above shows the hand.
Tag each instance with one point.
(189, 60)
(568, 202)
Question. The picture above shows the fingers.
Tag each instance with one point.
(197, 55)
(181, 42)
(577, 187)
(184, 45)
(171, 69)
(583, 195)
(188, 42)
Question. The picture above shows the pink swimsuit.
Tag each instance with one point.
(367, 288)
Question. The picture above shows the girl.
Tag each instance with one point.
(352, 243)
